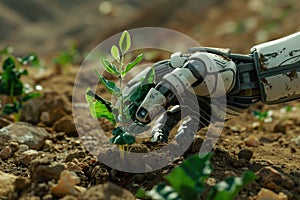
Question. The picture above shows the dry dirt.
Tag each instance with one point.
(234, 24)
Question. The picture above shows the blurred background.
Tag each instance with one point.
(48, 26)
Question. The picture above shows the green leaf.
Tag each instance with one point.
(140, 93)
(109, 85)
(115, 53)
(31, 96)
(149, 78)
(230, 187)
(163, 192)
(109, 67)
(10, 83)
(141, 194)
(188, 179)
(31, 58)
(10, 109)
(125, 42)
(7, 50)
(122, 138)
(117, 131)
(98, 109)
(9, 63)
(131, 65)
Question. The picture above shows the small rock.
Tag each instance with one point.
(31, 110)
(251, 141)
(14, 146)
(107, 191)
(99, 174)
(282, 126)
(69, 197)
(196, 145)
(56, 114)
(44, 170)
(45, 117)
(7, 185)
(24, 133)
(47, 145)
(27, 156)
(73, 167)
(273, 180)
(245, 154)
(4, 122)
(66, 184)
(22, 183)
(265, 194)
(22, 148)
(296, 140)
(47, 197)
(5, 153)
(67, 125)
(76, 154)
(240, 163)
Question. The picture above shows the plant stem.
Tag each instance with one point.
(121, 92)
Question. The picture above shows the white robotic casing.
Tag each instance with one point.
(278, 68)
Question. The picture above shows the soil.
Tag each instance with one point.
(270, 149)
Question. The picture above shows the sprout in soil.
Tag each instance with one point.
(120, 113)
(13, 90)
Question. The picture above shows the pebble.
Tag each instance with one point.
(55, 115)
(22, 183)
(282, 126)
(240, 163)
(14, 146)
(273, 180)
(66, 184)
(69, 197)
(47, 145)
(107, 191)
(45, 117)
(67, 125)
(5, 153)
(24, 133)
(44, 170)
(7, 185)
(22, 148)
(32, 110)
(4, 122)
(27, 156)
(245, 154)
(265, 194)
(251, 141)
(76, 154)
(296, 140)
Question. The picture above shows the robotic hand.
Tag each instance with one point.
(270, 74)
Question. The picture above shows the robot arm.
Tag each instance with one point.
(269, 74)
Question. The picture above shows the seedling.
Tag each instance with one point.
(263, 117)
(287, 109)
(12, 87)
(188, 181)
(66, 58)
(121, 113)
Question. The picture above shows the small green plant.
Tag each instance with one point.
(8, 50)
(66, 58)
(121, 113)
(12, 87)
(288, 109)
(263, 117)
(188, 182)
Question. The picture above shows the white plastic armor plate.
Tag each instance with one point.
(279, 69)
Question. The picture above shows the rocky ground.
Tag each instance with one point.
(43, 156)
